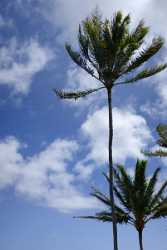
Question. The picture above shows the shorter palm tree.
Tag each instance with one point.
(161, 142)
(138, 199)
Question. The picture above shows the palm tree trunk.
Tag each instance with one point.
(141, 239)
(111, 191)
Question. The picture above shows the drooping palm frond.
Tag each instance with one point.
(158, 196)
(145, 74)
(79, 59)
(75, 94)
(161, 212)
(100, 196)
(106, 216)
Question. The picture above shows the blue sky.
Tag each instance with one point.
(52, 152)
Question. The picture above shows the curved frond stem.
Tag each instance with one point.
(143, 74)
(156, 153)
(75, 94)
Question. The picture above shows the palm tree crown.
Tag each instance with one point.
(109, 51)
(138, 199)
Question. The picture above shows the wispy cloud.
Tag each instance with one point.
(53, 10)
(20, 62)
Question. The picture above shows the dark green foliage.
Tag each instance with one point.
(138, 199)
(109, 51)
(162, 142)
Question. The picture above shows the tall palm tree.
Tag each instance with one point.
(110, 53)
(138, 198)
(161, 142)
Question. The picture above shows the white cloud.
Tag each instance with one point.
(10, 162)
(20, 62)
(62, 15)
(131, 135)
(54, 10)
(43, 177)
(83, 170)
(46, 177)
(158, 9)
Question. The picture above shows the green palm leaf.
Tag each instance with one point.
(146, 54)
(75, 94)
(151, 188)
(146, 73)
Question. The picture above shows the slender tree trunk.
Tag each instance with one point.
(111, 191)
(141, 239)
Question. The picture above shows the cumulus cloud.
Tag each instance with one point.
(54, 10)
(20, 62)
(83, 170)
(10, 162)
(45, 176)
(131, 135)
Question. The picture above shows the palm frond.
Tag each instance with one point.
(125, 178)
(145, 74)
(161, 211)
(151, 187)
(106, 216)
(79, 60)
(139, 32)
(160, 153)
(129, 46)
(122, 199)
(157, 197)
(74, 94)
(139, 179)
(102, 197)
(146, 54)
